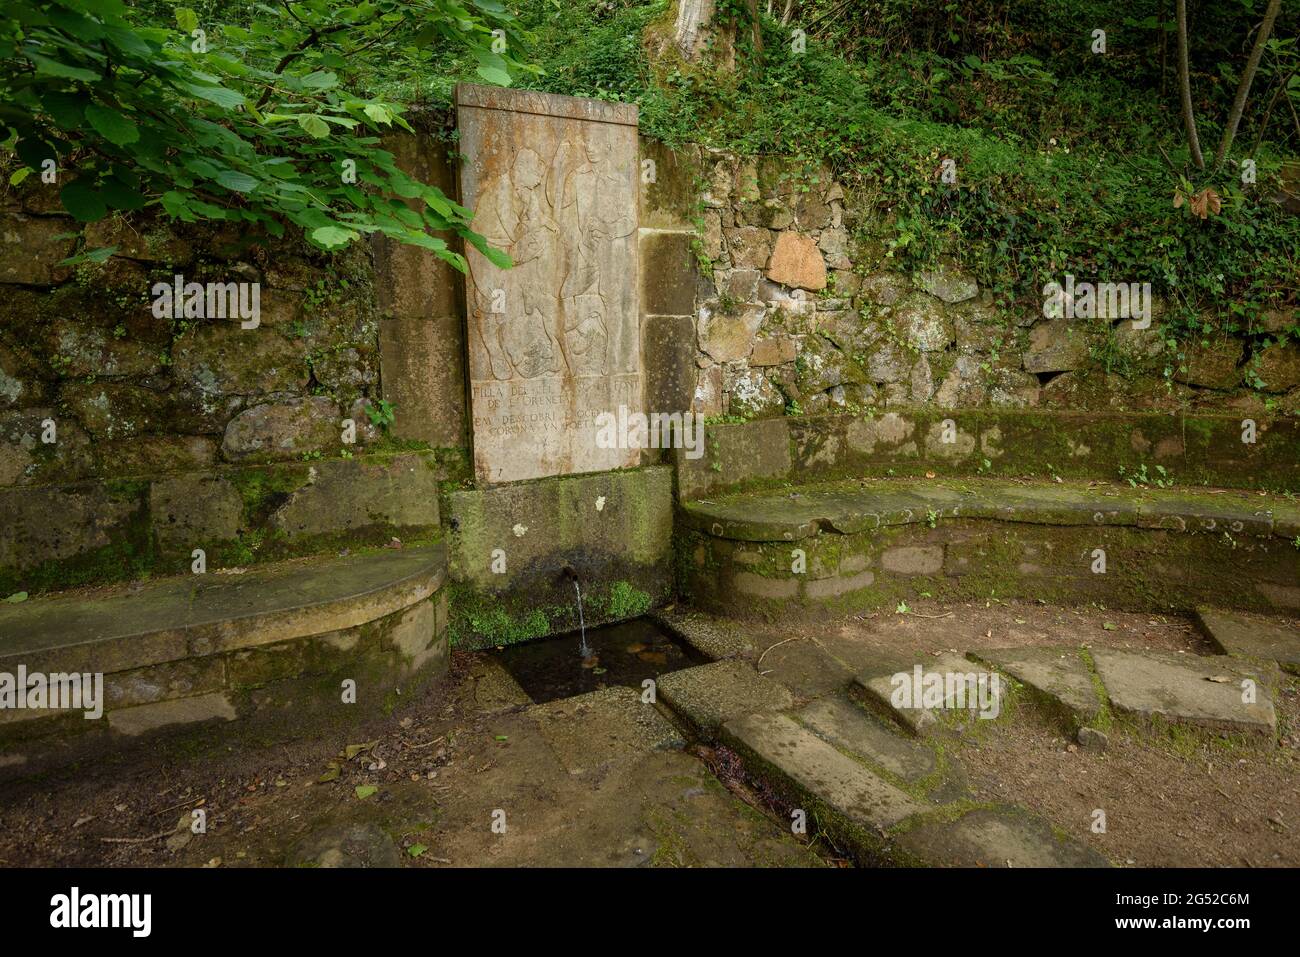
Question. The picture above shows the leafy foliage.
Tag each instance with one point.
(1057, 149)
(258, 123)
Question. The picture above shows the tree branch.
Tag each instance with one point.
(1185, 86)
(1247, 77)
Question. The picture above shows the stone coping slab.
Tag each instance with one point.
(1253, 636)
(714, 637)
(117, 629)
(799, 512)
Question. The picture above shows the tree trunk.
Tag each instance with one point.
(1247, 77)
(694, 26)
(1185, 86)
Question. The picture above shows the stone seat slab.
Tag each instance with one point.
(122, 628)
(794, 513)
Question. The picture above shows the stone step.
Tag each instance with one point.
(708, 696)
(841, 723)
(1253, 636)
(899, 693)
(874, 819)
(992, 837)
(857, 799)
(1206, 692)
(1060, 675)
(274, 641)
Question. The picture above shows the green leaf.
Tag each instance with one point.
(90, 256)
(34, 152)
(216, 94)
(177, 204)
(320, 80)
(314, 125)
(121, 196)
(65, 107)
(16, 597)
(379, 113)
(237, 181)
(415, 850)
(83, 201)
(494, 75)
(112, 124)
(366, 790)
(331, 237)
(495, 256)
(20, 174)
(66, 70)
(187, 19)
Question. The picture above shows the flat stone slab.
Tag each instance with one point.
(876, 687)
(1252, 636)
(1061, 675)
(597, 728)
(713, 637)
(846, 726)
(998, 837)
(710, 695)
(1186, 689)
(820, 772)
(491, 687)
(804, 667)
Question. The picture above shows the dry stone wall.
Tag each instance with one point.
(133, 392)
(800, 310)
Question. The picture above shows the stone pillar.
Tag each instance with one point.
(421, 327)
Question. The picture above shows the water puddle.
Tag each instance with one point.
(622, 654)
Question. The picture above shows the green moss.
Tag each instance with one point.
(265, 488)
(626, 601)
(481, 621)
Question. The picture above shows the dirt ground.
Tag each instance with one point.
(1167, 803)
(421, 789)
(439, 772)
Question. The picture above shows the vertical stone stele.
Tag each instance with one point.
(554, 340)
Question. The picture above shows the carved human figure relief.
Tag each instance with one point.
(554, 341)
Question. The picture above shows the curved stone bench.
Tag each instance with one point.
(269, 648)
(869, 543)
